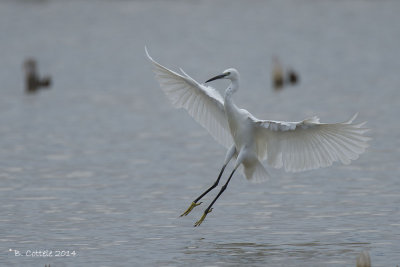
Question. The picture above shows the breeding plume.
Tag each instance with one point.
(295, 146)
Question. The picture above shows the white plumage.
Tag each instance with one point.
(309, 144)
(202, 102)
(295, 146)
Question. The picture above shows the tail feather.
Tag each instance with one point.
(256, 172)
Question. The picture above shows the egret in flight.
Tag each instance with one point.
(295, 146)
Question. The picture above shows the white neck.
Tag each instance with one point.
(232, 88)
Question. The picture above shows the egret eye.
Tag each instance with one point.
(227, 73)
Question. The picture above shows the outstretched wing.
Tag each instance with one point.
(202, 102)
(309, 144)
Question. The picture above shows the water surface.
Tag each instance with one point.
(102, 165)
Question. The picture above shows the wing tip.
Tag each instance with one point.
(183, 72)
(352, 118)
(147, 53)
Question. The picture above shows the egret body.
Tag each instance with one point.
(295, 146)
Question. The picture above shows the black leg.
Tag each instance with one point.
(209, 208)
(194, 203)
(212, 187)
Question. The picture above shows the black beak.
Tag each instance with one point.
(217, 77)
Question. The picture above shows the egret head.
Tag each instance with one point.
(230, 74)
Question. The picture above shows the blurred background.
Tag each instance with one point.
(101, 164)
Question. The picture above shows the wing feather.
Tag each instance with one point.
(202, 102)
(309, 144)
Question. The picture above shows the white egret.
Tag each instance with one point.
(295, 146)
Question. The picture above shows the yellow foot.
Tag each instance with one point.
(190, 208)
(202, 218)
